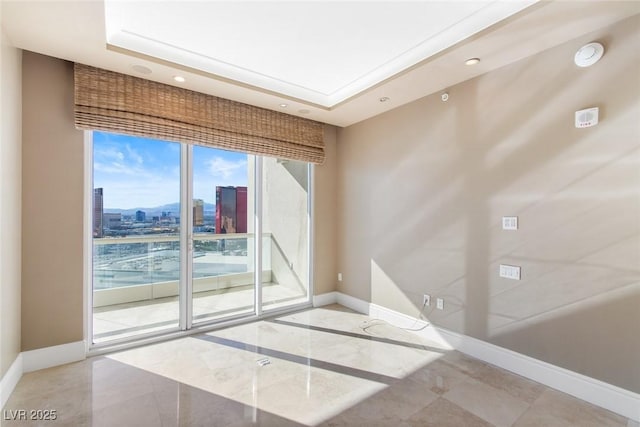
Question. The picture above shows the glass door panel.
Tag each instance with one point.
(174, 240)
(285, 233)
(136, 229)
(223, 244)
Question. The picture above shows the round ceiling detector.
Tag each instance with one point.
(588, 54)
(141, 69)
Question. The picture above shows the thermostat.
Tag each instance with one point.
(587, 118)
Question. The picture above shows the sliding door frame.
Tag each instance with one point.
(257, 239)
(87, 243)
(186, 237)
(186, 325)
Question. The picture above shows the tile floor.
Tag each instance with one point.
(325, 366)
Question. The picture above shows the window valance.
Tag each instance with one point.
(114, 102)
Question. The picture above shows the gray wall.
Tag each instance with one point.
(52, 205)
(10, 201)
(422, 189)
(325, 218)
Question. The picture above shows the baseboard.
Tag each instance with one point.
(607, 396)
(613, 398)
(53, 356)
(325, 299)
(417, 326)
(353, 303)
(10, 380)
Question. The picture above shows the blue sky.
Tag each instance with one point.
(139, 172)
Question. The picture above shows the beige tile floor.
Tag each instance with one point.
(327, 366)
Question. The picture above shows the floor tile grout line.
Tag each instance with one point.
(357, 335)
(320, 364)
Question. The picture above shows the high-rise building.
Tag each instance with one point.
(231, 209)
(241, 209)
(225, 210)
(141, 216)
(198, 212)
(98, 211)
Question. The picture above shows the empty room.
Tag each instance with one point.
(319, 213)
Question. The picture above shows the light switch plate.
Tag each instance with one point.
(509, 222)
(510, 271)
(439, 303)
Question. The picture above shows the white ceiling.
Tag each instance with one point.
(318, 52)
(328, 61)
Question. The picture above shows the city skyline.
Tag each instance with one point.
(231, 219)
(145, 173)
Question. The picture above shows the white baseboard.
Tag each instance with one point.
(607, 396)
(353, 303)
(325, 299)
(53, 356)
(419, 327)
(10, 380)
(613, 398)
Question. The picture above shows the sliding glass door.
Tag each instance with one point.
(285, 233)
(223, 243)
(136, 229)
(178, 230)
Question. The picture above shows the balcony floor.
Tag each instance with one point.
(130, 319)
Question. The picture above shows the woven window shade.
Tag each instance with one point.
(114, 102)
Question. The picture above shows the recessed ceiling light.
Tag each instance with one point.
(384, 99)
(283, 105)
(141, 69)
(472, 61)
(179, 79)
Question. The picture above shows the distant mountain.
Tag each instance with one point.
(174, 208)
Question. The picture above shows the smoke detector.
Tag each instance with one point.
(588, 54)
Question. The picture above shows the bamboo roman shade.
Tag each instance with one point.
(114, 102)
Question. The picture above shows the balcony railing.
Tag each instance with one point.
(139, 268)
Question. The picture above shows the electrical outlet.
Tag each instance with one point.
(440, 304)
(426, 300)
(339, 277)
